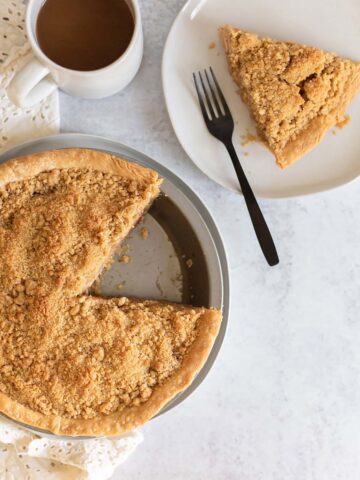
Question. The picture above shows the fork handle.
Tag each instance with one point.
(261, 229)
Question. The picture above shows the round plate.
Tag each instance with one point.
(183, 259)
(188, 49)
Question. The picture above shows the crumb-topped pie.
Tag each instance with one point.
(295, 93)
(72, 363)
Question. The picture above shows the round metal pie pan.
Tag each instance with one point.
(183, 259)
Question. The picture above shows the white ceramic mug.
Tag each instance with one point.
(41, 76)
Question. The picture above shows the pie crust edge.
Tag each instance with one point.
(128, 419)
(28, 166)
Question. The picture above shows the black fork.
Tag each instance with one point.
(220, 124)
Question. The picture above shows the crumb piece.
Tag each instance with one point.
(125, 259)
(343, 122)
(120, 285)
(212, 45)
(144, 232)
(189, 263)
(248, 138)
(246, 154)
(333, 132)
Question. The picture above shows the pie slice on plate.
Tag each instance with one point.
(71, 363)
(294, 92)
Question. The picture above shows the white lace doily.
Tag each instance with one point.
(19, 124)
(24, 456)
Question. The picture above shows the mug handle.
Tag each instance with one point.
(31, 84)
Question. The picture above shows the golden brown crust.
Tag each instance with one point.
(129, 418)
(294, 92)
(29, 166)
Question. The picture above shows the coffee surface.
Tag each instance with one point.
(84, 34)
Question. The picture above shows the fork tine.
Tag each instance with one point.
(201, 101)
(208, 101)
(221, 96)
(216, 103)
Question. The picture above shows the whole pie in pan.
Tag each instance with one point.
(294, 92)
(72, 363)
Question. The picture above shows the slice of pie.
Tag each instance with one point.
(71, 363)
(294, 92)
(62, 214)
(93, 366)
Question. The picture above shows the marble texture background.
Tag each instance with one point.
(283, 400)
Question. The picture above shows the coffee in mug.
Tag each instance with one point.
(84, 34)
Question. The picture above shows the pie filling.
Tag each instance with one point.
(77, 364)
(294, 92)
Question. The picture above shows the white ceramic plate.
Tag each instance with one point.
(334, 162)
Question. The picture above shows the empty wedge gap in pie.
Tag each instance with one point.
(72, 363)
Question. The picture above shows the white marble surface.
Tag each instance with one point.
(283, 400)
